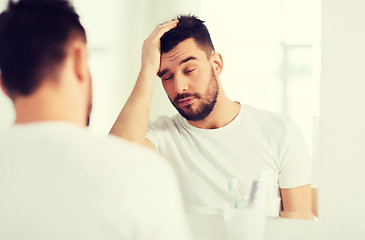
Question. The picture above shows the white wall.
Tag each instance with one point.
(343, 118)
(342, 178)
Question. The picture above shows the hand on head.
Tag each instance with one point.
(151, 50)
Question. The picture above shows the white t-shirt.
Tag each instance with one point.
(255, 141)
(59, 181)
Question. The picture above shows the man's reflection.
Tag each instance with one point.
(213, 139)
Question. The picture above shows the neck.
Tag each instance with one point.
(48, 105)
(223, 113)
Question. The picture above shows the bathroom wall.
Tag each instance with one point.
(342, 144)
(343, 118)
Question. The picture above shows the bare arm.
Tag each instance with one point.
(132, 122)
(297, 202)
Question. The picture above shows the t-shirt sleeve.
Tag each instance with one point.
(155, 204)
(151, 133)
(295, 161)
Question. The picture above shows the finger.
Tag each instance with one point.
(162, 29)
(169, 23)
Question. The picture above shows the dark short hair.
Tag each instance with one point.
(33, 38)
(189, 26)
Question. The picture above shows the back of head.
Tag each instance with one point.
(188, 27)
(33, 39)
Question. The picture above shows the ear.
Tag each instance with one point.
(80, 56)
(217, 63)
(3, 87)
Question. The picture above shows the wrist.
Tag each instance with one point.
(148, 71)
(147, 76)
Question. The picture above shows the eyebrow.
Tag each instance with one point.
(163, 72)
(187, 59)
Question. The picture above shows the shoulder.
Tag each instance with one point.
(128, 151)
(265, 118)
(107, 153)
(141, 162)
(265, 115)
(166, 122)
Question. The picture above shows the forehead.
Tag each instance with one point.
(186, 48)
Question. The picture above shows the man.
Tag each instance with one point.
(213, 139)
(57, 180)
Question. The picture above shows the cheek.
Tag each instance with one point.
(168, 89)
(202, 81)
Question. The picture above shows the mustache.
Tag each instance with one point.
(185, 95)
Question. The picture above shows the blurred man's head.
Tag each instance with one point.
(190, 68)
(40, 42)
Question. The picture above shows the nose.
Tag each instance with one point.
(181, 84)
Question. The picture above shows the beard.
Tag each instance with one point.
(206, 105)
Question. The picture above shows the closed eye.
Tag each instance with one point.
(167, 78)
(189, 71)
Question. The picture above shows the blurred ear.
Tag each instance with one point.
(80, 56)
(217, 63)
(3, 87)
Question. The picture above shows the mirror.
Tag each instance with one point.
(271, 52)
